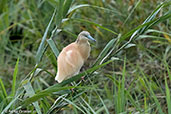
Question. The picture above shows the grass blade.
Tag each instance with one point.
(13, 101)
(132, 12)
(90, 22)
(14, 78)
(70, 102)
(147, 23)
(60, 12)
(66, 7)
(30, 92)
(168, 71)
(53, 47)
(3, 89)
(153, 95)
(41, 48)
(134, 31)
(88, 106)
(60, 86)
(105, 51)
(77, 7)
(107, 112)
(168, 97)
(123, 86)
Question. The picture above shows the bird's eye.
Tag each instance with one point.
(85, 35)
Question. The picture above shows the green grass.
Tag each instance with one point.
(128, 70)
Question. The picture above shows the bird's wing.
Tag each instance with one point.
(75, 60)
(69, 64)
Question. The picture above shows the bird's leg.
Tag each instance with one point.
(72, 89)
(82, 78)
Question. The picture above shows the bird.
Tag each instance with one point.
(73, 56)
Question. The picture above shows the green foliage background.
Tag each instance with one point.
(129, 70)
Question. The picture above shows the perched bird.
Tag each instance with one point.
(73, 56)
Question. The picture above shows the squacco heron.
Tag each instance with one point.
(73, 56)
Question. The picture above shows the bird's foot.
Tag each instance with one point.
(72, 89)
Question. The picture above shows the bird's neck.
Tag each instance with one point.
(81, 41)
(84, 49)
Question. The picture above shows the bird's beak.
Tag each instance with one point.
(91, 38)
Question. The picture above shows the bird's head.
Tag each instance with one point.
(85, 36)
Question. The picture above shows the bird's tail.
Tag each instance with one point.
(57, 78)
